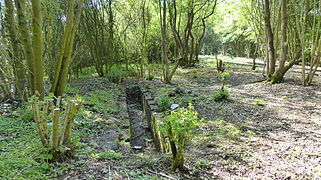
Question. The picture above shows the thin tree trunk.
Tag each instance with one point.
(37, 45)
(19, 68)
(64, 61)
(269, 33)
(26, 41)
(284, 46)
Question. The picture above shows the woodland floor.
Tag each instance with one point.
(263, 131)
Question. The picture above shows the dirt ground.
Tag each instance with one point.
(262, 131)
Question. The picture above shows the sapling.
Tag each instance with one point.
(180, 126)
(223, 93)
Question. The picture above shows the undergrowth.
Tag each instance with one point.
(102, 102)
(21, 153)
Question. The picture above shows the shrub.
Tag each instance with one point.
(221, 95)
(180, 126)
(163, 100)
(115, 74)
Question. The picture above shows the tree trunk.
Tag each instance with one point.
(178, 161)
(61, 73)
(279, 74)
(26, 41)
(284, 46)
(269, 38)
(19, 69)
(162, 17)
(37, 46)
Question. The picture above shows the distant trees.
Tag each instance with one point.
(291, 35)
(39, 41)
(187, 21)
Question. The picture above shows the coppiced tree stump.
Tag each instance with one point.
(59, 142)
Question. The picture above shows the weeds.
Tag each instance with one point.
(102, 102)
(108, 155)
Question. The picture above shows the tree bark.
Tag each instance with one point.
(26, 41)
(269, 38)
(284, 46)
(37, 46)
(61, 73)
(19, 68)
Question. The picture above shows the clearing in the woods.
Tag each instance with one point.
(262, 131)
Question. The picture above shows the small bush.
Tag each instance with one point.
(180, 126)
(163, 100)
(221, 95)
(115, 74)
(163, 103)
(203, 164)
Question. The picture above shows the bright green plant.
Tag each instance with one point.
(221, 95)
(151, 77)
(223, 78)
(259, 102)
(203, 164)
(70, 90)
(163, 100)
(180, 126)
(25, 114)
(115, 74)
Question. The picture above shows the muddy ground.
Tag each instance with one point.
(262, 131)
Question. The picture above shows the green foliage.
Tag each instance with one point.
(185, 100)
(115, 74)
(203, 164)
(70, 90)
(183, 123)
(224, 77)
(163, 100)
(108, 155)
(131, 71)
(102, 102)
(221, 95)
(151, 77)
(25, 114)
(22, 155)
(259, 102)
(228, 129)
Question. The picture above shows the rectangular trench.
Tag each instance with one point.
(144, 124)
